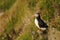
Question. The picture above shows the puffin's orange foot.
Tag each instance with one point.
(38, 31)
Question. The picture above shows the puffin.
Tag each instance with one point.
(40, 23)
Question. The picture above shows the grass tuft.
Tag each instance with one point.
(11, 23)
(6, 4)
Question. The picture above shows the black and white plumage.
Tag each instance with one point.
(40, 23)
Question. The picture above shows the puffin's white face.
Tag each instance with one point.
(36, 15)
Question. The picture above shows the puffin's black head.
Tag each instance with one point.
(37, 15)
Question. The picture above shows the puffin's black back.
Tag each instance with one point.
(41, 23)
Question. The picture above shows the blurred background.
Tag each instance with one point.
(17, 23)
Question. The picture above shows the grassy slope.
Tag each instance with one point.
(20, 16)
(6, 4)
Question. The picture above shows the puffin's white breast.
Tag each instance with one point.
(36, 23)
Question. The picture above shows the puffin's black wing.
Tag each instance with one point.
(42, 24)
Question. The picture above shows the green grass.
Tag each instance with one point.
(26, 36)
(50, 8)
(24, 10)
(58, 28)
(47, 6)
(58, 21)
(11, 23)
(32, 4)
(57, 1)
(0, 38)
(6, 4)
